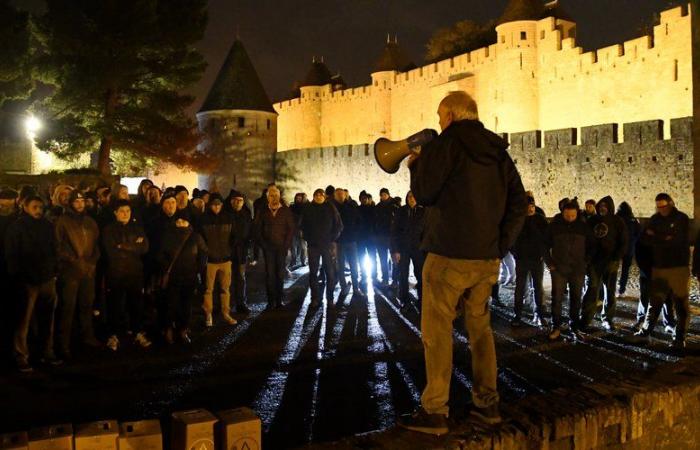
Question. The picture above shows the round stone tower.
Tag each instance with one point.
(317, 81)
(240, 128)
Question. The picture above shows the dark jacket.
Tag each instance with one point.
(530, 244)
(475, 199)
(384, 213)
(409, 225)
(30, 250)
(367, 219)
(643, 254)
(570, 246)
(275, 231)
(242, 238)
(192, 258)
(350, 216)
(5, 222)
(217, 231)
(610, 233)
(77, 238)
(668, 239)
(321, 224)
(633, 232)
(124, 245)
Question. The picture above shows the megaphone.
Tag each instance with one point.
(389, 154)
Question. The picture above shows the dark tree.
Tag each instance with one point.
(119, 69)
(15, 49)
(462, 37)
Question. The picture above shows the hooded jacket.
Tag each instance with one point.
(669, 240)
(125, 245)
(530, 244)
(30, 250)
(321, 224)
(408, 229)
(570, 246)
(475, 200)
(610, 233)
(77, 238)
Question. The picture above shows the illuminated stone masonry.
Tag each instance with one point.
(632, 163)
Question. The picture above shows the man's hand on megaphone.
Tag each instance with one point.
(412, 157)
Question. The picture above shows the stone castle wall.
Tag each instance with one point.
(632, 163)
(534, 77)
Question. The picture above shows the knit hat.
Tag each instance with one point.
(8, 194)
(235, 194)
(180, 188)
(75, 195)
(167, 195)
(216, 199)
(384, 191)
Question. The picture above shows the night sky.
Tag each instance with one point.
(282, 36)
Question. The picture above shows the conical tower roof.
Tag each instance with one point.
(318, 75)
(393, 58)
(237, 86)
(532, 10)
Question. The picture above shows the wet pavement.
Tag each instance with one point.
(317, 374)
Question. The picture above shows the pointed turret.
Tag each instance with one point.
(318, 74)
(237, 87)
(518, 10)
(393, 58)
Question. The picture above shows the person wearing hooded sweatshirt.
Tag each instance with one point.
(77, 238)
(240, 247)
(182, 257)
(30, 254)
(612, 242)
(321, 225)
(528, 251)
(667, 235)
(569, 247)
(274, 229)
(406, 237)
(125, 243)
(476, 207)
(217, 227)
(59, 202)
(624, 212)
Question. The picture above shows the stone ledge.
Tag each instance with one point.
(657, 409)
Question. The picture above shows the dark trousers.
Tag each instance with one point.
(238, 279)
(40, 302)
(667, 318)
(408, 255)
(670, 283)
(275, 272)
(320, 256)
(601, 274)
(76, 293)
(124, 294)
(625, 271)
(560, 281)
(179, 296)
(366, 247)
(523, 269)
(383, 244)
(347, 251)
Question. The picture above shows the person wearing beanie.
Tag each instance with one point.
(77, 237)
(569, 248)
(125, 243)
(216, 227)
(240, 247)
(365, 239)
(384, 219)
(59, 202)
(30, 248)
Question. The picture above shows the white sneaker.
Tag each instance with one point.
(113, 343)
(142, 340)
(209, 321)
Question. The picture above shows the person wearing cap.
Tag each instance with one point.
(240, 247)
(666, 234)
(125, 243)
(274, 229)
(216, 227)
(384, 219)
(30, 254)
(528, 252)
(78, 251)
(321, 225)
(569, 248)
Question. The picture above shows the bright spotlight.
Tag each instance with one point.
(32, 125)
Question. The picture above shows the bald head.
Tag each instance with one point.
(458, 105)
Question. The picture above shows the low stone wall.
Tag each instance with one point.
(657, 409)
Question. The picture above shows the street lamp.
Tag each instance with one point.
(32, 125)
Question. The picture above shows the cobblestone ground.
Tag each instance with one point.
(317, 375)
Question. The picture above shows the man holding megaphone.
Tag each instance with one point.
(476, 206)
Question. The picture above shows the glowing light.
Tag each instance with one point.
(32, 125)
(367, 264)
